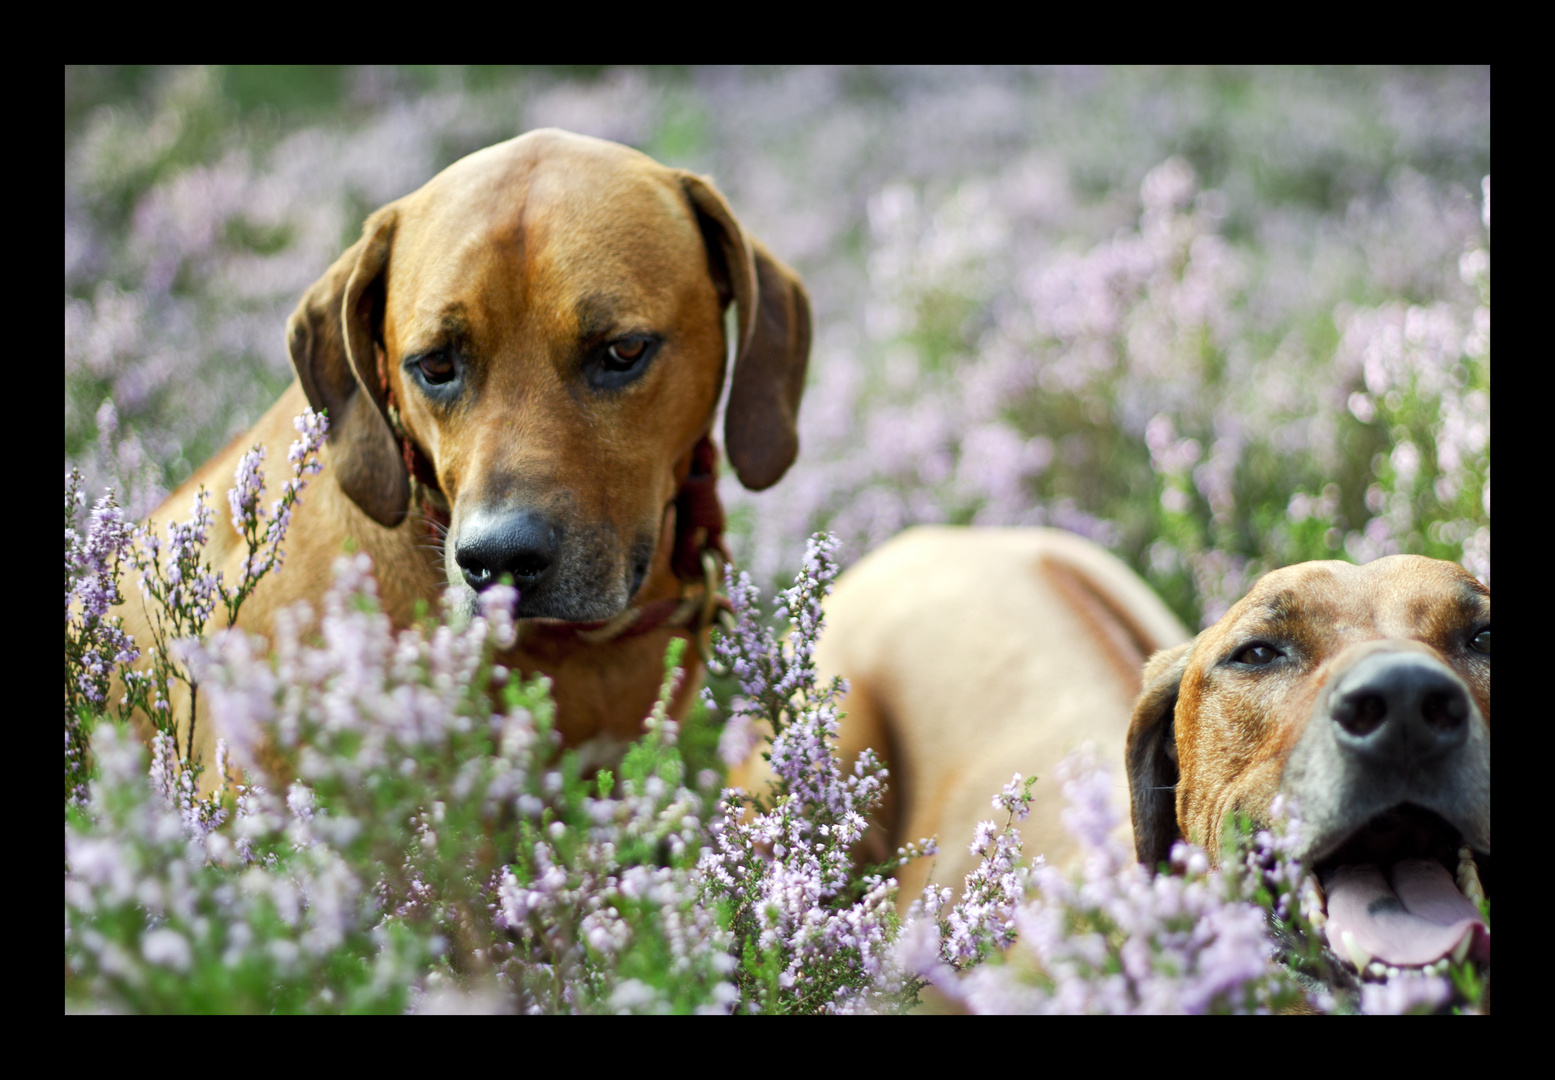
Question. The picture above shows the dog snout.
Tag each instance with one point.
(523, 545)
(1399, 709)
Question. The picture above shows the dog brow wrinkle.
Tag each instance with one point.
(596, 312)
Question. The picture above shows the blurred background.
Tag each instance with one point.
(1219, 320)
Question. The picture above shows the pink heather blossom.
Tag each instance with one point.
(1278, 351)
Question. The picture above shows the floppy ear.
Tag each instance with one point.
(331, 337)
(761, 423)
(1152, 756)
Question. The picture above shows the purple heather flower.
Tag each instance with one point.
(1012, 338)
(1408, 991)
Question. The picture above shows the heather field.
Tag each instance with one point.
(1218, 320)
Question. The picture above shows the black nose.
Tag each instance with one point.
(522, 545)
(1400, 709)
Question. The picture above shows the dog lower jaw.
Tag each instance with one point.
(1384, 911)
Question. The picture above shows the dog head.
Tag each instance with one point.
(1363, 692)
(543, 321)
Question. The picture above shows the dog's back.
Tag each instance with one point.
(974, 654)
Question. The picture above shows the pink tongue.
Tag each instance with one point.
(1417, 920)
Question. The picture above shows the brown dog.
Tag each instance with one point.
(521, 363)
(1364, 693)
(974, 654)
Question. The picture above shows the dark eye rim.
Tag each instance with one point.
(637, 346)
(435, 383)
(1240, 655)
(1483, 631)
(609, 369)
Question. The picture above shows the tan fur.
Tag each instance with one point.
(522, 258)
(1209, 736)
(974, 654)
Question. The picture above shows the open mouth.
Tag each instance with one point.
(1403, 891)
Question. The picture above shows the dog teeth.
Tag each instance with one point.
(1352, 949)
(1468, 876)
(1461, 950)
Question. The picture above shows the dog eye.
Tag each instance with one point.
(1480, 642)
(625, 354)
(1257, 654)
(436, 368)
(620, 362)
